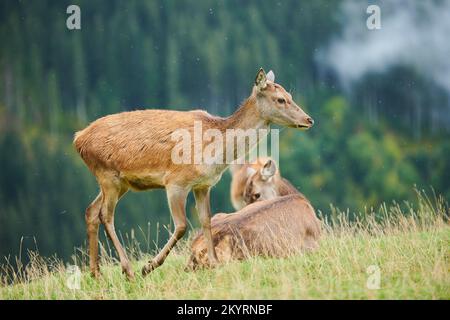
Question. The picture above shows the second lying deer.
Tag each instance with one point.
(261, 179)
(278, 222)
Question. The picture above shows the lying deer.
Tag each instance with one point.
(239, 176)
(278, 221)
(266, 183)
(274, 228)
(261, 179)
(133, 150)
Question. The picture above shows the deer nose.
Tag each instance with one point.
(310, 120)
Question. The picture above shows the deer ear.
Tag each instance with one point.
(250, 172)
(261, 79)
(268, 170)
(270, 76)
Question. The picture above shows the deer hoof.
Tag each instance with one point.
(149, 268)
(96, 274)
(129, 273)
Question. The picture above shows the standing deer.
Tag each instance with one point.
(133, 150)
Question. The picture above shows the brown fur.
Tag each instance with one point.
(257, 188)
(239, 176)
(247, 182)
(275, 228)
(132, 150)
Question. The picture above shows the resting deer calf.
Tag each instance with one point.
(278, 221)
(276, 228)
(239, 176)
(266, 183)
(133, 150)
(260, 180)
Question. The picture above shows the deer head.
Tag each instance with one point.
(261, 184)
(275, 104)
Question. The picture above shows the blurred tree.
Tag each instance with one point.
(186, 55)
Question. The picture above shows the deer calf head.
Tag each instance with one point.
(275, 104)
(261, 184)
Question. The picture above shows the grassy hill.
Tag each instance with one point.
(408, 246)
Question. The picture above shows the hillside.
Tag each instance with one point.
(410, 253)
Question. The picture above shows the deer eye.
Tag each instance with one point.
(281, 100)
(257, 195)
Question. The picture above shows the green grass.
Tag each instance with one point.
(410, 248)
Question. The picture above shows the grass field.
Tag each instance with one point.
(408, 247)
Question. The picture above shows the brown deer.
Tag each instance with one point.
(239, 176)
(266, 183)
(133, 150)
(259, 179)
(275, 228)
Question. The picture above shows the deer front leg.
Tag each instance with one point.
(177, 204)
(204, 211)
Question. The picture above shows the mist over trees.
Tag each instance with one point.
(368, 144)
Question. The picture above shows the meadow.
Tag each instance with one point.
(400, 251)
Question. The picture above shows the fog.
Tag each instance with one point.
(413, 33)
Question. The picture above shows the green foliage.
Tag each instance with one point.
(179, 55)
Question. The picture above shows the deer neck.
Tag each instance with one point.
(244, 118)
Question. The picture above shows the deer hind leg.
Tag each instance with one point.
(112, 192)
(204, 211)
(177, 204)
(92, 224)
